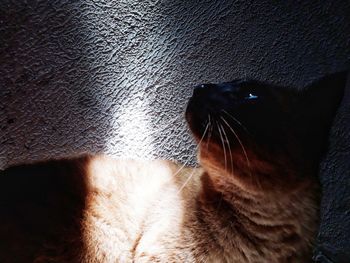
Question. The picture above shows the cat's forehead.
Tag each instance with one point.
(261, 86)
(238, 82)
(245, 83)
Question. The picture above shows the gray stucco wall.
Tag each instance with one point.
(114, 77)
(334, 235)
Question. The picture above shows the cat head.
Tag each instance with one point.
(276, 134)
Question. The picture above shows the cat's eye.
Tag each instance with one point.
(251, 96)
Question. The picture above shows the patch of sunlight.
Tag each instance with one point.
(132, 129)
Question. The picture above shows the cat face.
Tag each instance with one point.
(249, 111)
(246, 125)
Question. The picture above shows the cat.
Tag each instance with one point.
(254, 197)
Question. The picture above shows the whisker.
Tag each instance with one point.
(210, 131)
(223, 145)
(237, 121)
(238, 139)
(240, 143)
(182, 128)
(229, 147)
(186, 182)
(244, 151)
(188, 161)
(204, 133)
(192, 173)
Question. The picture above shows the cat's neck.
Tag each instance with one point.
(266, 221)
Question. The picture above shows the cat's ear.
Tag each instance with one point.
(325, 94)
(318, 105)
(330, 87)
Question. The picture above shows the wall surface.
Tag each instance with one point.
(334, 235)
(114, 77)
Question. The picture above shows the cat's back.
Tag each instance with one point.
(92, 209)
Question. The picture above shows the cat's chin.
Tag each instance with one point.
(206, 130)
(243, 167)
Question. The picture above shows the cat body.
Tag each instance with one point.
(254, 198)
(108, 210)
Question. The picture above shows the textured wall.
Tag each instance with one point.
(334, 236)
(114, 76)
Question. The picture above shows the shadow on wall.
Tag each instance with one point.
(52, 100)
(285, 42)
(333, 238)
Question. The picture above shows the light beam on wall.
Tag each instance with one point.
(132, 129)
